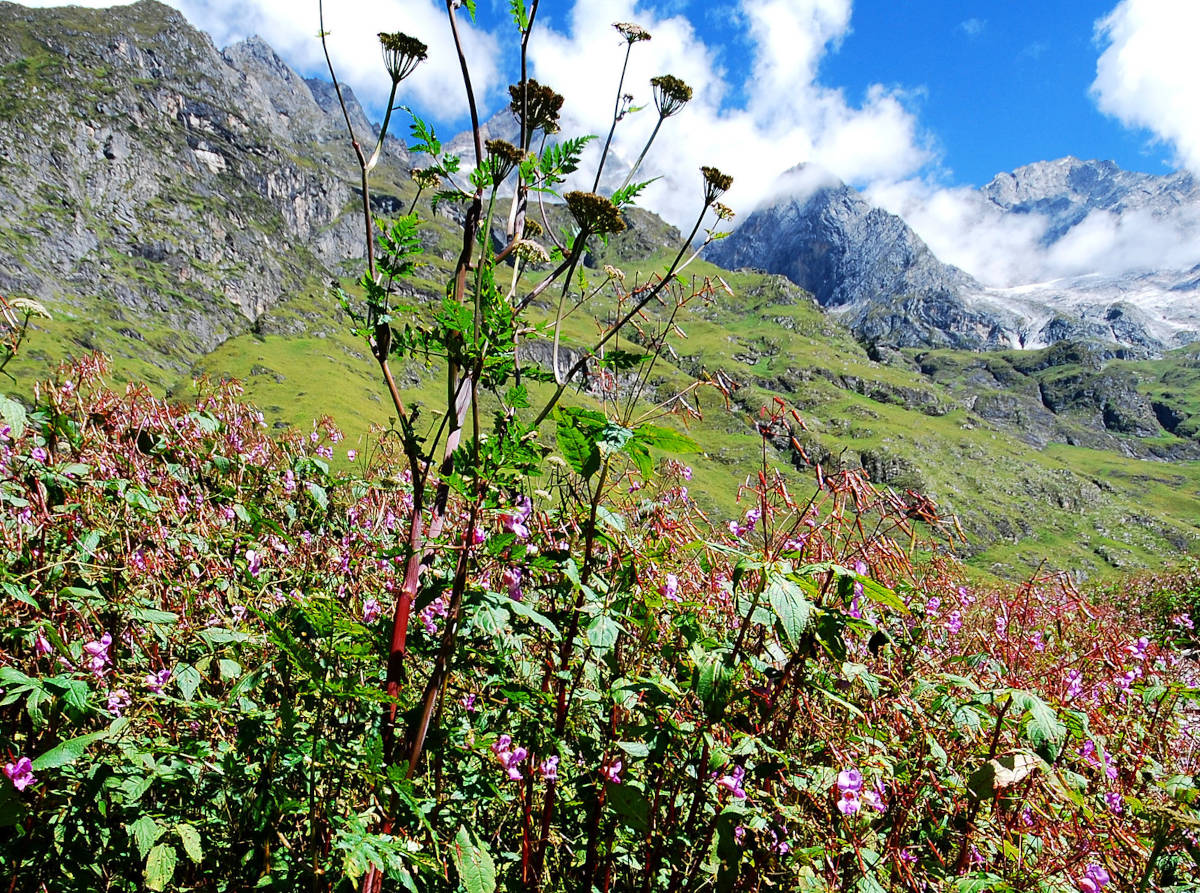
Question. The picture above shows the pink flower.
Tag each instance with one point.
(733, 783)
(371, 610)
(549, 768)
(848, 803)
(468, 703)
(509, 757)
(99, 660)
(41, 644)
(39, 455)
(612, 772)
(670, 588)
(514, 521)
(156, 681)
(118, 700)
(351, 455)
(850, 780)
(253, 563)
(511, 579)
(20, 773)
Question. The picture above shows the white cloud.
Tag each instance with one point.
(786, 118)
(973, 27)
(1149, 73)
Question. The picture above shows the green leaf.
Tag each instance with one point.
(639, 750)
(318, 495)
(145, 833)
(712, 684)
(791, 607)
(1039, 721)
(160, 866)
(13, 414)
(67, 752)
(523, 610)
(475, 867)
(630, 805)
(610, 519)
(581, 454)
(152, 615)
(190, 838)
(613, 437)
(665, 439)
(603, 632)
(187, 679)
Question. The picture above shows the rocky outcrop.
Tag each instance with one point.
(150, 177)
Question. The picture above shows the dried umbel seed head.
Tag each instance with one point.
(716, 184)
(532, 252)
(425, 178)
(503, 156)
(533, 229)
(401, 54)
(535, 106)
(670, 94)
(614, 273)
(631, 32)
(595, 214)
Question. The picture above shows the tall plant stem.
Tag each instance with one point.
(616, 117)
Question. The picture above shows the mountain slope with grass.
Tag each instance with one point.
(190, 207)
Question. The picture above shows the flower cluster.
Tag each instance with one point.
(401, 54)
(511, 757)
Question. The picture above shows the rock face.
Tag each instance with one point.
(149, 177)
(865, 265)
(873, 271)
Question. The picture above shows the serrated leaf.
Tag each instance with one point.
(67, 752)
(160, 866)
(1040, 724)
(145, 833)
(630, 805)
(712, 684)
(476, 870)
(792, 609)
(603, 631)
(12, 414)
(187, 679)
(580, 453)
(523, 610)
(190, 838)
(663, 438)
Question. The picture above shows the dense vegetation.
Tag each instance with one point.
(500, 646)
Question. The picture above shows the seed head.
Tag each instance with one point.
(724, 212)
(401, 54)
(503, 156)
(595, 214)
(716, 184)
(614, 273)
(533, 229)
(532, 252)
(425, 178)
(535, 106)
(631, 32)
(670, 94)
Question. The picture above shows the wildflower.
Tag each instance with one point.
(716, 184)
(99, 660)
(670, 588)
(425, 178)
(478, 536)
(401, 54)
(612, 772)
(532, 252)
(20, 773)
(1114, 802)
(156, 681)
(932, 605)
(253, 562)
(514, 521)
(39, 455)
(1137, 650)
(502, 158)
(509, 756)
(849, 783)
(238, 612)
(733, 783)
(511, 578)
(118, 700)
(549, 768)
(468, 702)
(1094, 879)
(954, 624)
(614, 273)
(1184, 620)
(371, 610)
(595, 214)
(1027, 817)
(874, 798)
(41, 644)
(670, 94)
(631, 32)
(535, 106)
(351, 455)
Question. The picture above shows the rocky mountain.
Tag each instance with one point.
(875, 273)
(863, 264)
(154, 182)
